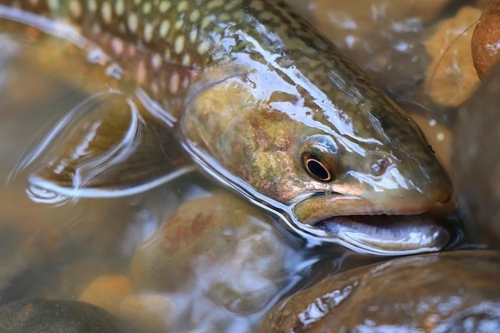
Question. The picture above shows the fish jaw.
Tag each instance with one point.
(389, 235)
(325, 206)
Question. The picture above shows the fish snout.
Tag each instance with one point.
(413, 190)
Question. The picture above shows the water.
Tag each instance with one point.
(58, 247)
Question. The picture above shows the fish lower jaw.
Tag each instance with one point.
(387, 234)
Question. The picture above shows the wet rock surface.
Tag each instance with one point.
(440, 292)
(451, 77)
(223, 243)
(53, 316)
(153, 313)
(486, 39)
(475, 159)
(382, 36)
(107, 292)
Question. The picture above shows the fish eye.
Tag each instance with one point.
(316, 168)
(318, 156)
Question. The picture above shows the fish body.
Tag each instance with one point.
(260, 99)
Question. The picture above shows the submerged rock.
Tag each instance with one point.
(52, 316)
(222, 243)
(153, 313)
(476, 159)
(382, 36)
(439, 292)
(107, 292)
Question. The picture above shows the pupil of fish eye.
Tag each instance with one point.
(317, 170)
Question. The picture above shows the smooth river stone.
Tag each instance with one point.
(384, 37)
(221, 244)
(53, 316)
(451, 77)
(439, 292)
(475, 159)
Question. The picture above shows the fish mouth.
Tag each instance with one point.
(388, 234)
(370, 228)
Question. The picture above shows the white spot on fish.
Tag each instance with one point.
(179, 44)
(75, 7)
(53, 4)
(146, 8)
(182, 6)
(165, 26)
(119, 7)
(206, 22)
(164, 6)
(215, 3)
(178, 24)
(194, 16)
(203, 47)
(92, 5)
(148, 32)
(133, 22)
(106, 12)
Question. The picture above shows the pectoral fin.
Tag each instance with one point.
(115, 148)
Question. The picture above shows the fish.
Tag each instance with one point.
(264, 104)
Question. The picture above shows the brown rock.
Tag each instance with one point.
(223, 243)
(486, 39)
(152, 312)
(451, 76)
(384, 37)
(439, 292)
(339, 19)
(107, 292)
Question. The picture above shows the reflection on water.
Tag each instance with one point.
(44, 196)
(176, 257)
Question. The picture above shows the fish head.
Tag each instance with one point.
(360, 155)
(392, 173)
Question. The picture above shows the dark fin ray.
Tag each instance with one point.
(115, 148)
